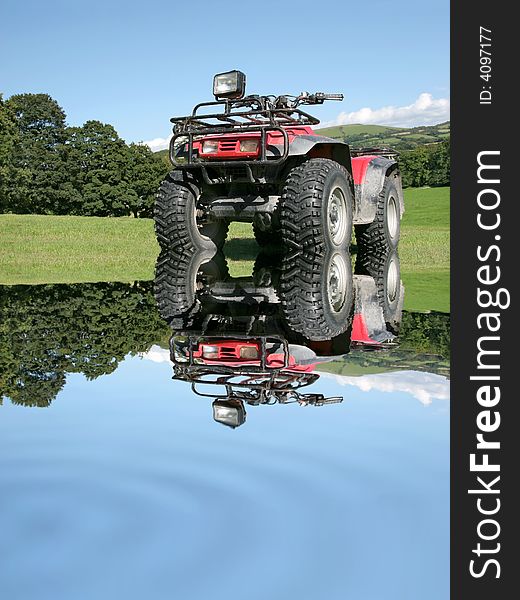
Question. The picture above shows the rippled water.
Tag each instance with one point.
(125, 487)
(116, 482)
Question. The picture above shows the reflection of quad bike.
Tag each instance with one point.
(195, 292)
(256, 159)
(247, 369)
(233, 332)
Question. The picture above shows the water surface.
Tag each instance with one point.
(117, 483)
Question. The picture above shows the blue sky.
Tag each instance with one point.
(135, 64)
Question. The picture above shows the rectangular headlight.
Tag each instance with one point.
(249, 352)
(249, 146)
(231, 84)
(210, 147)
(210, 351)
(229, 412)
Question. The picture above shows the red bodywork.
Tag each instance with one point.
(229, 148)
(360, 332)
(359, 168)
(229, 145)
(229, 353)
(232, 353)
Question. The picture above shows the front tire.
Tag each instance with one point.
(316, 292)
(177, 224)
(179, 276)
(316, 206)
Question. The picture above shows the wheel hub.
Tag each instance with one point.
(337, 216)
(392, 217)
(337, 282)
(392, 281)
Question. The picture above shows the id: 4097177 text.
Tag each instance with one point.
(485, 65)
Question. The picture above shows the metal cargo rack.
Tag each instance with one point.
(263, 116)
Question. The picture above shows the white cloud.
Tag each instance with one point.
(426, 110)
(425, 387)
(158, 143)
(157, 354)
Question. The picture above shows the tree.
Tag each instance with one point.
(47, 331)
(426, 165)
(144, 174)
(97, 160)
(39, 170)
(7, 143)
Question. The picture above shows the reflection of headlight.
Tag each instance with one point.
(209, 146)
(248, 352)
(248, 145)
(210, 351)
(229, 412)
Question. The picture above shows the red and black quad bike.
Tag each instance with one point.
(257, 159)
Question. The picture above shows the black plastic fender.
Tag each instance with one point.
(318, 146)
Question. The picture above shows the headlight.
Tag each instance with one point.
(249, 352)
(229, 412)
(229, 85)
(210, 147)
(210, 351)
(249, 146)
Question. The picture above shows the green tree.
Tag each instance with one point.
(98, 165)
(7, 142)
(47, 331)
(144, 174)
(36, 185)
(426, 165)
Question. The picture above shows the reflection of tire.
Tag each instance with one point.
(175, 216)
(268, 237)
(266, 270)
(384, 231)
(386, 271)
(316, 292)
(178, 278)
(316, 206)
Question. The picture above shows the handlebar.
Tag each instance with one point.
(317, 98)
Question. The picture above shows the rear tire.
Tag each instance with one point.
(382, 235)
(316, 292)
(316, 206)
(175, 216)
(386, 272)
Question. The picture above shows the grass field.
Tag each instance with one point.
(51, 249)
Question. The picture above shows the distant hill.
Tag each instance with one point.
(164, 156)
(398, 138)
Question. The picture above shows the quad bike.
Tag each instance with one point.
(256, 159)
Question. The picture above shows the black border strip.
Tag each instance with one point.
(477, 128)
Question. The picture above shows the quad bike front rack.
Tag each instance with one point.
(261, 117)
(253, 384)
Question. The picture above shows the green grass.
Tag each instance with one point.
(56, 249)
(51, 249)
(425, 249)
